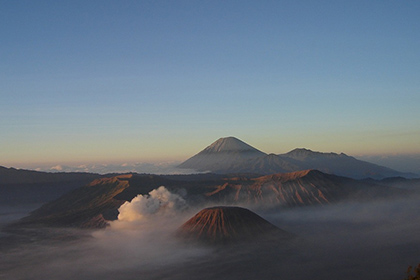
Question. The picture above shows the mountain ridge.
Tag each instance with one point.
(219, 159)
(94, 204)
(301, 188)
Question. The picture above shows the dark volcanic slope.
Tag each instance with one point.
(92, 205)
(19, 186)
(13, 176)
(227, 224)
(83, 207)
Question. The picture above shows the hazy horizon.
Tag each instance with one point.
(399, 162)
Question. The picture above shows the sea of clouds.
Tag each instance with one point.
(105, 168)
(373, 240)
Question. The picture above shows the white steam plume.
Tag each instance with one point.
(159, 201)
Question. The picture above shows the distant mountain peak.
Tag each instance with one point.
(229, 144)
(231, 155)
(222, 155)
(302, 153)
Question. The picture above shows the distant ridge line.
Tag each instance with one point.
(232, 155)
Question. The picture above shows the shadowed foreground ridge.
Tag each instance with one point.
(221, 225)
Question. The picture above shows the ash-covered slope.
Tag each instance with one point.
(95, 204)
(301, 188)
(231, 155)
(221, 225)
(222, 155)
(83, 207)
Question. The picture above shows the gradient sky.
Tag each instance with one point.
(92, 81)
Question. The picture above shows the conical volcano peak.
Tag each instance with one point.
(221, 155)
(230, 144)
(223, 224)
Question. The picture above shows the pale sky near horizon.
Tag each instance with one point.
(92, 81)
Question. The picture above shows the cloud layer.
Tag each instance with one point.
(343, 241)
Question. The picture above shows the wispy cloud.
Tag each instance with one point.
(104, 168)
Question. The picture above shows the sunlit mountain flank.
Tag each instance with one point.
(224, 225)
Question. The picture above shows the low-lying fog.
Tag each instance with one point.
(346, 241)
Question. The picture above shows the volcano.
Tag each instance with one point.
(223, 225)
(231, 155)
(222, 155)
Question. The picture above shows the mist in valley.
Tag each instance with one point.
(343, 241)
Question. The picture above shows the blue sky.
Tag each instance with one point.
(116, 81)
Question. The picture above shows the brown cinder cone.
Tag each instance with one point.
(222, 225)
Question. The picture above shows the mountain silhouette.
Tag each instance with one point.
(19, 186)
(231, 155)
(223, 154)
